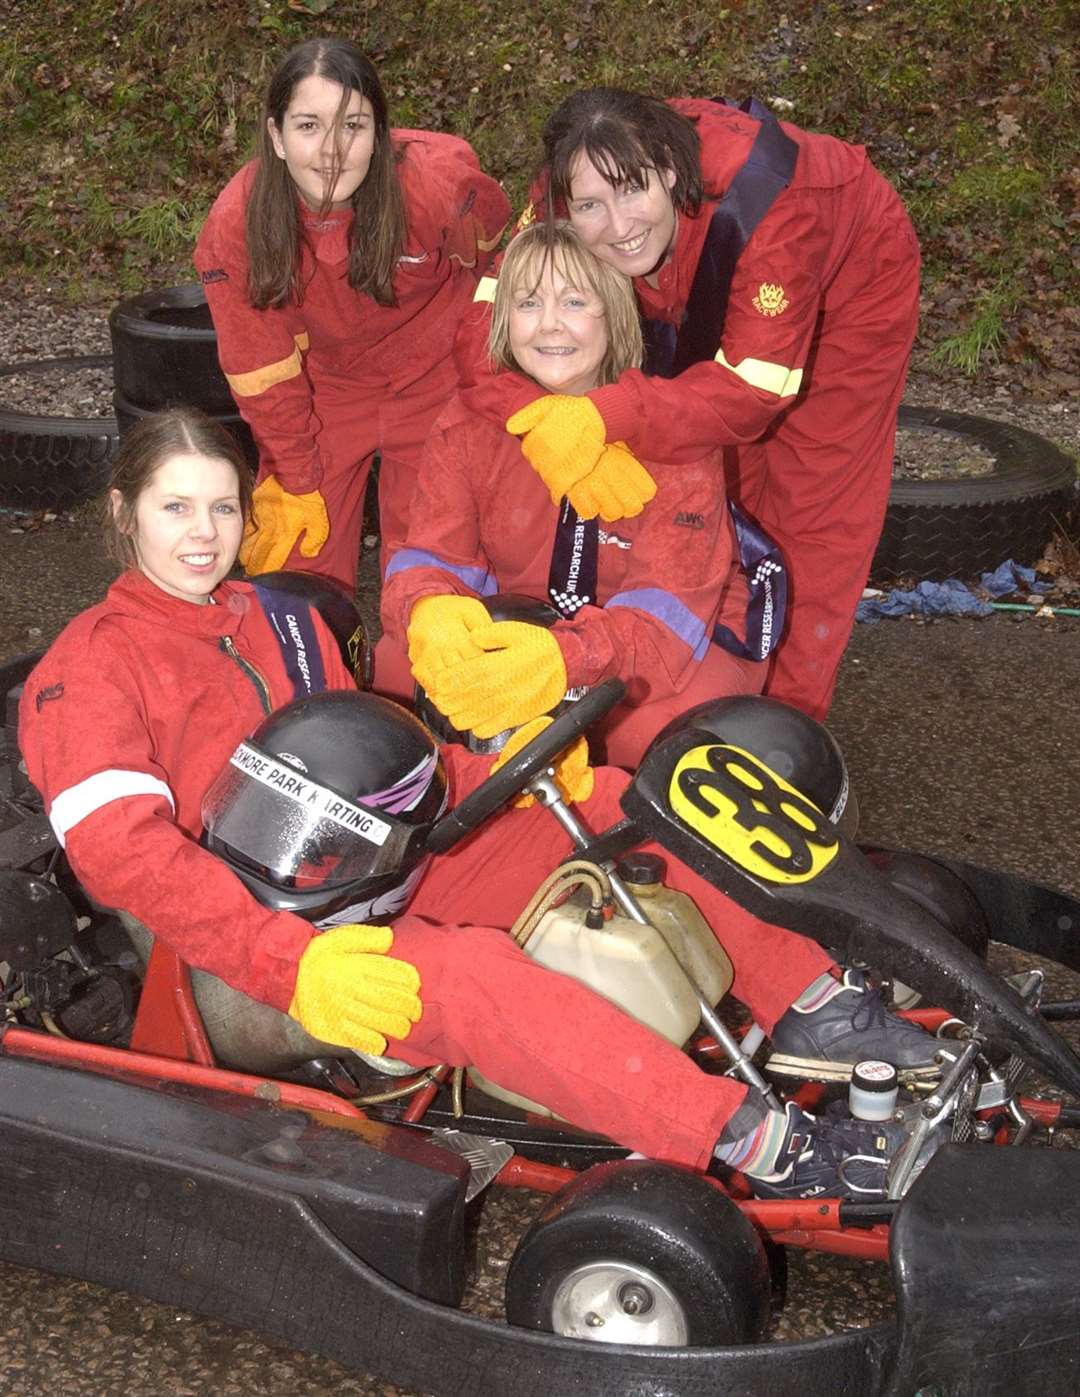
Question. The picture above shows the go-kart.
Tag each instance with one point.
(324, 1202)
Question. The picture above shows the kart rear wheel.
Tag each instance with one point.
(635, 1252)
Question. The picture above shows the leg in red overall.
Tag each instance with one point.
(819, 480)
(552, 1039)
(359, 418)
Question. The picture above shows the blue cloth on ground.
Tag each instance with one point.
(950, 598)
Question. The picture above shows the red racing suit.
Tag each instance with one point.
(326, 382)
(482, 522)
(816, 339)
(137, 707)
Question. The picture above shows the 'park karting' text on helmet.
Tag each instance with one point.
(325, 810)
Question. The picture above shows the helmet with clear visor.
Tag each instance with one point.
(325, 809)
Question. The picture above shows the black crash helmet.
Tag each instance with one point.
(334, 603)
(790, 744)
(506, 606)
(325, 810)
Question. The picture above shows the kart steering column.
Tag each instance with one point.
(543, 787)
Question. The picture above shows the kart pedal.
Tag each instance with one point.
(485, 1156)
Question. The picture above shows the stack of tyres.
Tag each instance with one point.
(165, 355)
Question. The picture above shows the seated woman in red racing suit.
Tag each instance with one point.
(140, 704)
(639, 601)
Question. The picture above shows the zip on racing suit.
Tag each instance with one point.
(327, 381)
(814, 344)
(482, 522)
(136, 708)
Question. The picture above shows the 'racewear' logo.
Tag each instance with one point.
(528, 215)
(771, 299)
(613, 539)
(686, 520)
(214, 274)
(44, 695)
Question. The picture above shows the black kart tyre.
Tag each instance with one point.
(53, 462)
(165, 351)
(127, 414)
(936, 529)
(636, 1252)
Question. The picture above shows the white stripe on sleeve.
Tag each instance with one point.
(78, 801)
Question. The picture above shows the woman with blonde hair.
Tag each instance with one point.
(640, 601)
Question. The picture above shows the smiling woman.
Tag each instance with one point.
(640, 602)
(337, 265)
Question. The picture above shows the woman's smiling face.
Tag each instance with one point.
(187, 525)
(558, 334)
(630, 225)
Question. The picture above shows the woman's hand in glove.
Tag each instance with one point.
(350, 992)
(440, 634)
(618, 488)
(573, 774)
(563, 440)
(278, 521)
(520, 675)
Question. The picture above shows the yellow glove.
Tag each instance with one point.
(618, 488)
(277, 521)
(520, 675)
(563, 439)
(349, 991)
(573, 774)
(439, 634)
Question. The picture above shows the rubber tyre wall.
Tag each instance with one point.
(937, 529)
(127, 414)
(165, 351)
(54, 462)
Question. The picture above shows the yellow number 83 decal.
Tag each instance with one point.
(752, 815)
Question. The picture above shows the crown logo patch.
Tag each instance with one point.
(770, 299)
(528, 215)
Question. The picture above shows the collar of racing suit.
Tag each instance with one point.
(135, 595)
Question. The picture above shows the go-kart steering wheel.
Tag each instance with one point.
(520, 769)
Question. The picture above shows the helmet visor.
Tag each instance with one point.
(278, 822)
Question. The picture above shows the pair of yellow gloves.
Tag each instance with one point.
(564, 442)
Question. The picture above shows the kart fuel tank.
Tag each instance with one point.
(643, 969)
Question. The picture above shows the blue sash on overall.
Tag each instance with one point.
(669, 350)
(290, 620)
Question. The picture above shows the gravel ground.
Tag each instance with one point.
(961, 736)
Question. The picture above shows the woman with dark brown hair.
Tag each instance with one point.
(337, 265)
(778, 276)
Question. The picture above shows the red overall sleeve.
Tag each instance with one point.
(442, 552)
(91, 749)
(659, 624)
(260, 351)
(772, 314)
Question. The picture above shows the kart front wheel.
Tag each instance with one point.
(634, 1252)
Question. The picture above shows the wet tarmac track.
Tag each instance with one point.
(962, 738)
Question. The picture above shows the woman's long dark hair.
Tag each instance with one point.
(377, 238)
(625, 135)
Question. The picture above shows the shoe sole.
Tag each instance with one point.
(816, 1070)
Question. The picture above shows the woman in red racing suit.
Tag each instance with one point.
(140, 703)
(337, 265)
(639, 600)
(779, 277)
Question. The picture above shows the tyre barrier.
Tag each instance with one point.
(962, 527)
(53, 462)
(165, 355)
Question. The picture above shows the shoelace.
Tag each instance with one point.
(871, 1011)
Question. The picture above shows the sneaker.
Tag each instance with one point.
(832, 1158)
(852, 1025)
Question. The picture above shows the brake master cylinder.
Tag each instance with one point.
(643, 969)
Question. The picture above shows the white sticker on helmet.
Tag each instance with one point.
(319, 802)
